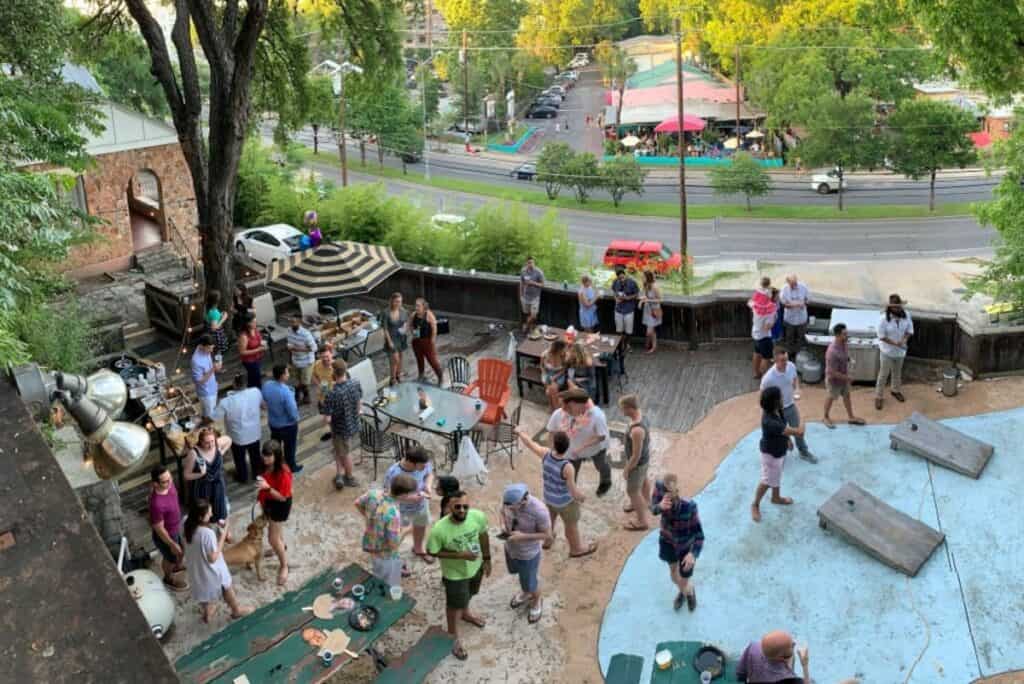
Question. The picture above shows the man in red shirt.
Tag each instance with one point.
(837, 376)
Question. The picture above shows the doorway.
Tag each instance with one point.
(146, 211)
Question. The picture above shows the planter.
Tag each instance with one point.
(513, 148)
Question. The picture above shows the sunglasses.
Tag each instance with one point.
(460, 507)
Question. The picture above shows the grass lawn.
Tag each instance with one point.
(534, 194)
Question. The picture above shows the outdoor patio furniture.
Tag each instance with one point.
(601, 347)
(682, 670)
(624, 669)
(313, 310)
(266, 321)
(404, 444)
(503, 438)
(375, 442)
(267, 645)
(491, 384)
(460, 373)
(416, 663)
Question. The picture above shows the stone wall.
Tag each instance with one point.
(106, 195)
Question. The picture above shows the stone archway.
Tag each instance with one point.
(146, 211)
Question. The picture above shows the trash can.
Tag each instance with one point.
(949, 378)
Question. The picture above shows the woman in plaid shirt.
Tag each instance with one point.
(682, 537)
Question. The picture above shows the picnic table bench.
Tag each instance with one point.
(267, 645)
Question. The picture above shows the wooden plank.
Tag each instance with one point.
(624, 669)
(889, 535)
(415, 664)
(942, 445)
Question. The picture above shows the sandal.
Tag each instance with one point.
(829, 424)
(857, 421)
(477, 622)
(517, 600)
(425, 557)
(536, 613)
(633, 526)
(459, 652)
(590, 549)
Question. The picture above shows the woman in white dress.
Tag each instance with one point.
(208, 574)
(652, 311)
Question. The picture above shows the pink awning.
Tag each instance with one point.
(695, 90)
(980, 139)
(671, 124)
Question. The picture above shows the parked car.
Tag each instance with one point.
(542, 111)
(268, 243)
(580, 59)
(824, 183)
(570, 75)
(525, 171)
(554, 90)
(641, 255)
(550, 100)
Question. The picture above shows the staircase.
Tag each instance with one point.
(162, 258)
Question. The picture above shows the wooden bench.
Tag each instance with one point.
(889, 535)
(415, 664)
(624, 669)
(942, 445)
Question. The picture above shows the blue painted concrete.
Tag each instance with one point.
(699, 161)
(512, 149)
(859, 617)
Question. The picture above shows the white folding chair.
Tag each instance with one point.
(265, 316)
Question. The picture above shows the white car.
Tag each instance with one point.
(824, 183)
(447, 220)
(268, 243)
(580, 60)
(554, 90)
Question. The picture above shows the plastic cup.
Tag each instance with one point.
(396, 593)
(328, 657)
(705, 677)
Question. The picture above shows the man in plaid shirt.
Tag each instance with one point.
(341, 409)
(682, 537)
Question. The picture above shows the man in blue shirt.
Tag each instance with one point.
(204, 375)
(626, 293)
(283, 414)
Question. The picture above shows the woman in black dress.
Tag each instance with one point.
(204, 472)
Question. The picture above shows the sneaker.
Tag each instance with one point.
(691, 600)
(678, 603)
(350, 481)
(297, 469)
(603, 488)
(808, 456)
(339, 482)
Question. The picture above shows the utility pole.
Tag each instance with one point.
(341, 122)
(683, 250)
(465, 82)
(737, 77)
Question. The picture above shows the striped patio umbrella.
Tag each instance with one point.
(333, 269)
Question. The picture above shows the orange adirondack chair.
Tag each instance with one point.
(492, 376)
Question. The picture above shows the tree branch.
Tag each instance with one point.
(244, 51)
(161, 61)
(182, 40)
(230, 19)
(209, 37)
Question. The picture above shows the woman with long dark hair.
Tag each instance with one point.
(775, 442)
(276, 499)
(652, 310)
(215, 321)
(423, 328)
(251, 347)
(554, 371)
(208, 574)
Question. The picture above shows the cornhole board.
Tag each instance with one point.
(889, 535)
(415, 664)
(941, 444)
(624, 669)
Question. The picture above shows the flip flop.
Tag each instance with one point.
(590, 549)
(517, 601)
(633, 526)
(829, 424)
(536, 613)
(459, 652)
(857, 421)
(782, 501)
(478, 622)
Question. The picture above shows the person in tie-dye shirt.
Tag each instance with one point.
(383, 533)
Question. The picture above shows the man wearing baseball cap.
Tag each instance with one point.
(894, 332)
(525, 526)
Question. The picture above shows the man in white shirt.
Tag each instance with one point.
(240, 410)
(894, 332)
(587, 428)
(782, 374)
(302, 346)
(794, 298)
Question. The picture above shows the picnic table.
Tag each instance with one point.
(349, 333)
(267, 645)
(454, 414)
(531, 350)
(682, 671)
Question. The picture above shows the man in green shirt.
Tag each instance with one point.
(460, 541)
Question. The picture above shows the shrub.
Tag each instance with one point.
(506, 234)
(56, 336)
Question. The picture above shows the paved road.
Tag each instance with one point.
(740, 238)
(662, 185)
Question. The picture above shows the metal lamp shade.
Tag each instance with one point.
(333, 269)
(104, 387)
(118, 446)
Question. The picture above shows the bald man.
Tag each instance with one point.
(793, 297)
(770, 661)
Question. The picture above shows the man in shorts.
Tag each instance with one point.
(531, 282)
(415, 507)
(460, 541)
(626, 294)
(681, 539)
(526, 526)
(165, 519)
(638, 457)
(302, 346)
(383, 533)
(837, 375)
(341, 411)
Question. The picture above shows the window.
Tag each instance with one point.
(665, 253)
(265, 238)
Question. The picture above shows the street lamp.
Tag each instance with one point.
(115, 446)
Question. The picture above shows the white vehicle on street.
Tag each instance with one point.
(824, 183)
(268, 243)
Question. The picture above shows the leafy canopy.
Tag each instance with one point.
(620, 175)
(552, 165)
(744, 176)
(927, 135)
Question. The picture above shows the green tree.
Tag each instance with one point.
(927, 136)
(505, 234)
(323, 108)
(842, 134)
(551, 167)
(582, 174)
(743, 176)
(551, 25)
(236, 38)
(616, 66)
(430, 87)
(1003, 276)
(620, 175)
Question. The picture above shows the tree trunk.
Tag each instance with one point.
(931, 192)
(840, 193)
(748, 201)
(316, 139)
(362, 151)
(380, 152)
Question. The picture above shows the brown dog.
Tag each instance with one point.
(249, 551)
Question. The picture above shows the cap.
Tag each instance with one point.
(514, 493)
